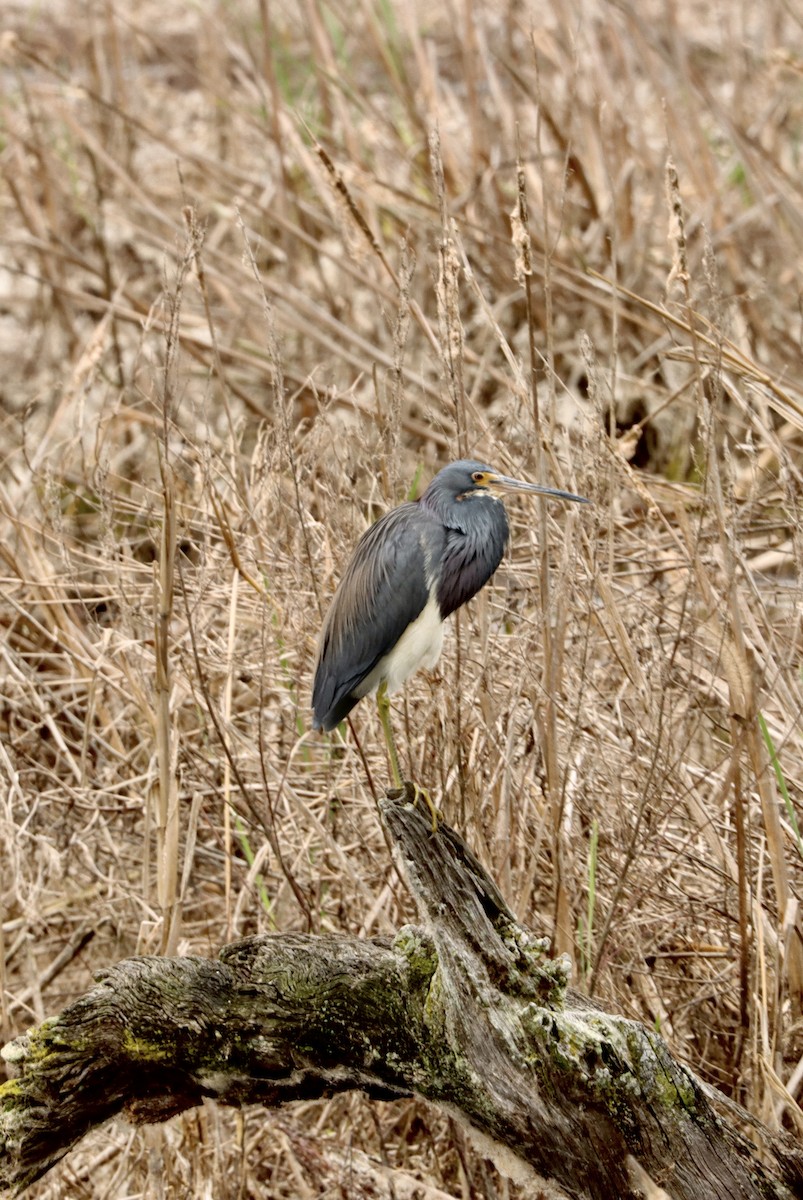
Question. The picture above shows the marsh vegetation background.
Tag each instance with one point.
(259, 279)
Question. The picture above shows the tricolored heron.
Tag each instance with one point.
(409, 571)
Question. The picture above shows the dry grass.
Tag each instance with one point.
(259, 281)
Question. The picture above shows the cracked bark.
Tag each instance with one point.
(466, 1010)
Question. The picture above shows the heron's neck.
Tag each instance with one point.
(474, 548)
(471, 516)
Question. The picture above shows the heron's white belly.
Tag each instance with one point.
(419, 646)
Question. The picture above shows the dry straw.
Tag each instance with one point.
(246, 306)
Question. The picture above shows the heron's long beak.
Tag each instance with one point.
(506, 484)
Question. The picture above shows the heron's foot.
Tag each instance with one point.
(411, 793)
(422, 794)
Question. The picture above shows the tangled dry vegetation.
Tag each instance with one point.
(259, 280)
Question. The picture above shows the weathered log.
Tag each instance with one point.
(466, 1010)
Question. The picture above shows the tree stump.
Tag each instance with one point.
(466, 1010)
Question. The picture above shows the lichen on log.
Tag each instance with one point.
(466, 1010)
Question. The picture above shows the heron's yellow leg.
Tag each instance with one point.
(383, 705)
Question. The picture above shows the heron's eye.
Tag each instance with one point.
(478, 476)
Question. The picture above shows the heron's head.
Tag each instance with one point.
(467, 480)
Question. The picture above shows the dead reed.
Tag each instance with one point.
(264, 268)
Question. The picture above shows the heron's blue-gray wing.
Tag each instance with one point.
(384, 588)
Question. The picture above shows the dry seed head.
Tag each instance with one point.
(679, 271)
